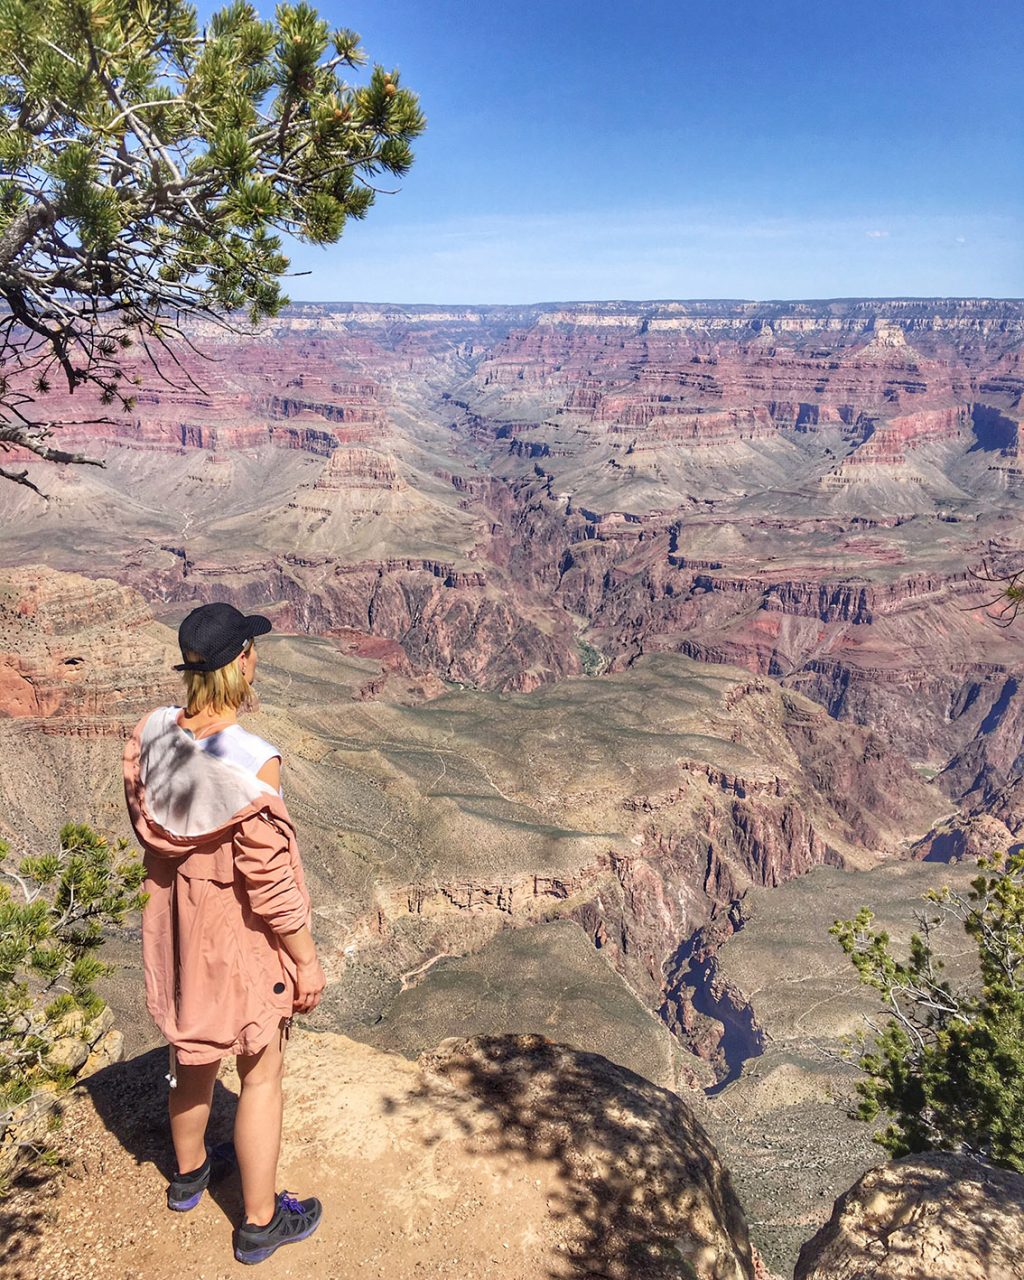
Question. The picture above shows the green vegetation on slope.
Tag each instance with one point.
(947, 1068)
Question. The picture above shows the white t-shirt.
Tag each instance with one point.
(239, 746)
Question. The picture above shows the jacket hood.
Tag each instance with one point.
(180, 796)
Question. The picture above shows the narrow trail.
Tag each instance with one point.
(422, 968)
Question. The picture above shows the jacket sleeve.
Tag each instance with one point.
(263, 857)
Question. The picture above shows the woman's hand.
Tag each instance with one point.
(309, 983)
(309, 977)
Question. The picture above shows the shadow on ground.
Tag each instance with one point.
(23, 1219)
(131, 1100)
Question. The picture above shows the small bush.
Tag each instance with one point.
(947, 1066)
(53, 911)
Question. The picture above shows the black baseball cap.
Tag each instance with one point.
(217, 633)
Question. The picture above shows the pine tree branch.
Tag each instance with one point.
(23, 229)
(22, 438)
(145, 159)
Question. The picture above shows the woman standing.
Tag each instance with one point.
(227, 950)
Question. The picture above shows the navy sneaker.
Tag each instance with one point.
(293, 1221)
(185, 1191)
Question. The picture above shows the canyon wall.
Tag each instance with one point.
(504, 550)
(641, 805)
(815, 491)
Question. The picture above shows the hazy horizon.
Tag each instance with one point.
(791, 151)
(664, 301)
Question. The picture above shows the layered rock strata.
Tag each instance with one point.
(78, 655)
(519, 494)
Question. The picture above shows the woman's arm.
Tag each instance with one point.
(261, 855)
(271, 773)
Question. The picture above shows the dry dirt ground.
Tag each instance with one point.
(412, 1190)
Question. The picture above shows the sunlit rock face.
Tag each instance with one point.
(942, 1215)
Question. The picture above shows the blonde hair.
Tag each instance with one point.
(226, 687)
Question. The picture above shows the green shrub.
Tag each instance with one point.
(53, 911)
(947, 1066)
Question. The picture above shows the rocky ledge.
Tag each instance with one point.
(941, 1215)
(492, 1157)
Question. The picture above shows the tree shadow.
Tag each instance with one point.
(24, 1216)
(643, 1191)
(131, 1100)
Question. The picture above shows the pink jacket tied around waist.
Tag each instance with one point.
(224, 879)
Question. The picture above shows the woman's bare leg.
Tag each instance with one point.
(189, 1109)
(258, 1128)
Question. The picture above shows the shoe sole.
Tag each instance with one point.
(183, 1206)
(261, 1255)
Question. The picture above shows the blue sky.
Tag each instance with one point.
(649, 149)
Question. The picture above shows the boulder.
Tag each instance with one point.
(68, 1052)
(95, 1030)
(648, 1194)
(938, 1216)
(106, 1051)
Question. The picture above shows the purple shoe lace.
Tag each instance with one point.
(288, 1201)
